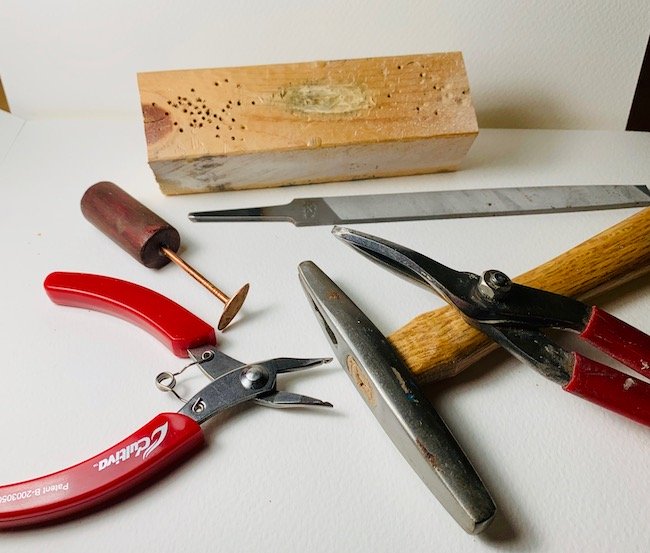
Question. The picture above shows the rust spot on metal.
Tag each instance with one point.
(157, 123)
(430, 457)
(333, 295)
(361, 381)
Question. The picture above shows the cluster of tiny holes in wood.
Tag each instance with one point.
(434, 88)
(223, 122)
(194, 112)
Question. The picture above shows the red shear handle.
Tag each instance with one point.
(618, 339)
(167, 438)
(610, 388)
(171, 323)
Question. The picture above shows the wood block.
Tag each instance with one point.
(234, 128)
(4, 105)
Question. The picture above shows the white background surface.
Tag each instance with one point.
(533, 64)
(566, 476)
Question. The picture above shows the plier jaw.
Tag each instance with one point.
(215, 364)
(246, 382)
(514, 316)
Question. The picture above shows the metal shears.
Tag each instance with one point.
(514, 316)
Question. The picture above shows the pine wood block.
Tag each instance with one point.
(234, 128)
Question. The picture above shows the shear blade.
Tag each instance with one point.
(455, 287)
(405, 262)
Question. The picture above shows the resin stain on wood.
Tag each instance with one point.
(325, 99)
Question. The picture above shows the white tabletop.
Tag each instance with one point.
(566, 475)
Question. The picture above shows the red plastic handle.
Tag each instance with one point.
(611, 389)
(167, 438)
(171, 323)
(618, 339)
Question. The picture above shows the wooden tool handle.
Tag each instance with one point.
(440, 344)
(131, 225)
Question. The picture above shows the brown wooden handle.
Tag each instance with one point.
(131, 225)
(440, 344)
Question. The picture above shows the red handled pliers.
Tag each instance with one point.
(513, 315)
(168, 437)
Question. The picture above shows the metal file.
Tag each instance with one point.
(440, 204)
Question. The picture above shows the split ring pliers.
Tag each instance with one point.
(514, 315)
(168, 437)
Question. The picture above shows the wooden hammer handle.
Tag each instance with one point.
(440, 344)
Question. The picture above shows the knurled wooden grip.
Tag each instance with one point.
(440, 344)
(132, 226)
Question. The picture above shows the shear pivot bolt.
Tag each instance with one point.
(254, 377)
(494, 284)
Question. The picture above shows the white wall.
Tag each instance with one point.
(531, 63)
